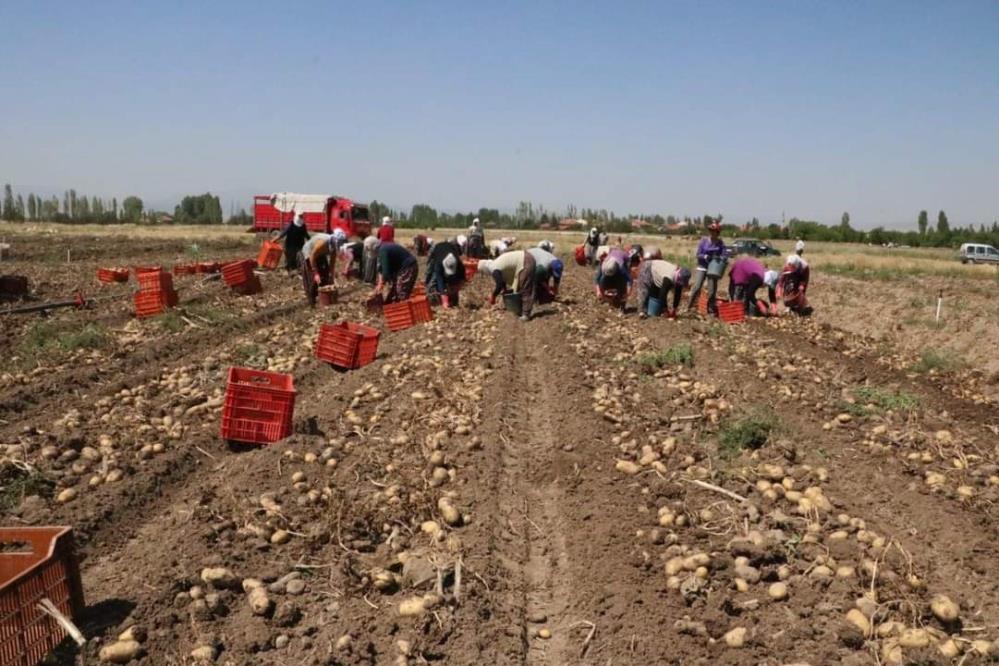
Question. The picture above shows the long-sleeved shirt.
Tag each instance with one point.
(294, 235)
(745, 269)
(620, 257)
(542, 261)
(392, 258)
(509, 265)
(319, 245)
(651, 277)
(708, 249)
(435, 264)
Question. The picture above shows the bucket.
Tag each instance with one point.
(655, 307)
(514, 303)
(327, 295)
(716, 268)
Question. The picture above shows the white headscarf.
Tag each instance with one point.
(609, 267)
(799, 247)
(450, 265)
(770, 279)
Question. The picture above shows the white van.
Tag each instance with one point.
(972, 253)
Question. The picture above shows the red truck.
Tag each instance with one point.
(322, 212)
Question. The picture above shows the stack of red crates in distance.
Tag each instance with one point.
(156, 293)
(240, 276)
(347, 345)
(258, 407)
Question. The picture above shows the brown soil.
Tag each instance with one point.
(588, 481)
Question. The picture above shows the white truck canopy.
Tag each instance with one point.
(289, 202)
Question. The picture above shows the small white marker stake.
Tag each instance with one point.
(939, 303)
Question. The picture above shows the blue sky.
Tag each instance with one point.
(744, 108)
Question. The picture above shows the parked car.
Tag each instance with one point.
(754, 247)
(973, 253)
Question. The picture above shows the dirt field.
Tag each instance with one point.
(584, 488)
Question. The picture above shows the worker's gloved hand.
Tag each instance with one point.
(492, 300)
(671, 314)
(643, 315)
(316, 278)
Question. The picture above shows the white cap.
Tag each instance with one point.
(609, 267)
(386, 220)
(475, 221)
(770, 279)
(450, 265)
(799, 246)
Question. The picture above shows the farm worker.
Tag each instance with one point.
(655, 280)
(547, 246)
(294, 235)
(476, 247)
(421, 244)
(770, 279)
(793, 283)
(498, 247)
(710, 248)
(799, 247)
(445, 272)
(351, 256)
(462, 241)
(318, 259)
(547, 274)
(592, 242)
(386, 232)
(613, 274)
(369, 258)
(652, 252)
(397, 272)
(512, 271)
(746, 277)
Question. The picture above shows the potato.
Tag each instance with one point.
(859, 620)
(944, 609)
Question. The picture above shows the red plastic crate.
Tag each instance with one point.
(398, 316)
(209, 266)
(732, 312)
(270, 255)
(347, 345)
(185, 269)
(154, 280)
(111, 275)
(152, 303)
(250, 287)
(702, 303)
(35, 563)
(258, 407)
(238, 272)
(471, 268)
(420, 308)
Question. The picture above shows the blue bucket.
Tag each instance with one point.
(655, 307)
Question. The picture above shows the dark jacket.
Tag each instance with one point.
(294, 236)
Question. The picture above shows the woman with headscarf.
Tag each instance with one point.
(318, 259)
(445, 272)
(591, 244)
(512, 272)
(710, 249)
(656, 278)
(614, 277)
(396, 272)
(369, 259)
(547, 275)
(793, 283)
(386, 232)
(744, 280)
(476, 245)
(294, 235)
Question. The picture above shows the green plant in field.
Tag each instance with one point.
(678, 354)
(885, 399)
(851, 408)
(246, 353)
(18, 482)
(748, 432)
(193, 251)
(171, 321)
(717, 330)
(941, 361)
(47, 336)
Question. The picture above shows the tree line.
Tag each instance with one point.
(207, 209)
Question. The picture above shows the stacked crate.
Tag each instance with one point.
(156, 293)
(240, 276)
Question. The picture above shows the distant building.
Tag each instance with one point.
(571, 224)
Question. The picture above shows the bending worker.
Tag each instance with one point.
(445, 272)
(396, 272)
(318, 258)
(613, 275)
(512, 271)
(793, 283)
(745, 278)
(547, 275)
(656, 278)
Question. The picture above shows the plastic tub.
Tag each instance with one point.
(716, 268)
(514, 303)
(655, 307)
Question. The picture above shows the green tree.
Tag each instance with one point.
(423, 216)
(131, 209)
(924, 222)
(74, 210)
(943, 226)
(7, 211)
(844, 221)
(114, 207)
(32, 207)
(19, 207)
